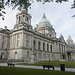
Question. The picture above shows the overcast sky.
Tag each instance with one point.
(59, 15)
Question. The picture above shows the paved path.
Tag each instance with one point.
(39, 67)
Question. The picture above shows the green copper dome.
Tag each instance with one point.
(44, 20)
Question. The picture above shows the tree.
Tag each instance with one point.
(24, 4)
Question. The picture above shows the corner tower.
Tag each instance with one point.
(69, 41)
(23, 20)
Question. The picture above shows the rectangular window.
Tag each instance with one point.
(27, 54)
(39, 45)
(34, 43)
(51, 47)
(27, 19)
(43, 46)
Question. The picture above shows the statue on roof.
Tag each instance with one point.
(44, 16)
(24, 5)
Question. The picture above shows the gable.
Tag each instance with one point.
(61, 38)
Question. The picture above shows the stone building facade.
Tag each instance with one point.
(22, 43)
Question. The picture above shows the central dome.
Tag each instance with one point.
(44, 20)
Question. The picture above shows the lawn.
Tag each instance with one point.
(55, 63)
(25, 71)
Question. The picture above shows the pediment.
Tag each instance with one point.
(61, 38)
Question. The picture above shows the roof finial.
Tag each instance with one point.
(44, 15)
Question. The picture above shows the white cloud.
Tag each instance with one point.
(58, 14)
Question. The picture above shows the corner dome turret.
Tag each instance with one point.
(70, 41)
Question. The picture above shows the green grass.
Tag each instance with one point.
(25, 71)
(55, 63)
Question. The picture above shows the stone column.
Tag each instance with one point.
(16, 41)
(49, 47)
(45, 46)
(10, 41)
(0, 41)
(25, 40)
(64, 48)
(55, 47)
(22, 40)
(13, 41)
(61, 48)
(58, 47)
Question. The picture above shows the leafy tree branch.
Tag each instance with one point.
(25, 4)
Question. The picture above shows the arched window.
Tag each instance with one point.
(47, 47)
(27, 43)
(43, 46)
(39, 45)
(34, 43)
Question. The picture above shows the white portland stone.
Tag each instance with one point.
(22, 43)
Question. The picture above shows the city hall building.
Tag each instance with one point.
(22, 43)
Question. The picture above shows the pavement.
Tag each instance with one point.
(39, 67)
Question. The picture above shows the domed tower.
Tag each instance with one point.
(69, 41)
(45, 27)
